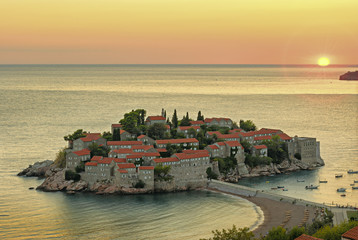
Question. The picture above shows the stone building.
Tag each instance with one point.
(259, 150)
(85, 142)
(146, 140)
(192, 143)
(187, 132)
(155, 119)
(221, 122)
(74, 159)
(308, 148)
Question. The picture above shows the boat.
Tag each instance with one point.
(339, 175)
(300, 180)
(343, 195)
(274, 188)
(323, 181)
(351, 171)
(280, 186)
(312, 186)
(355, 181)
(355, 188)
(284, 189)
(341, 189)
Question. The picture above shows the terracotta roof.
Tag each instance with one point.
(351, 234)
(116, 125)
(161, 160)
(190, 151)
(96, 158)
(261, 138)
(120, 160)
(144, 147)
(151, 118)
(307, 237)
(247, 134)
(151, 154)
(213, 147)
(118, 143)
(122, 171)
(91, 137)
(209, 120)
(267, 131)
(233, 144)
(146, 168)
(91, 164)
(122, 131)
(125, 165)
(82, 152)
(224, 136)
(220, 143)
(183, 128)
(141, 136)
(162, 150)
(235, 130)
(197, 122)
(92, 134)
(260, 147)
(106, 160)
(177, 141)
(189, 156)
(123, 151)
(134, 156)
(284, 136)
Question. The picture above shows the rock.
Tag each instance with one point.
(349, 76)
(38, 169)
(31, 188)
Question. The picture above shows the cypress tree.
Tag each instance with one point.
(175, 119)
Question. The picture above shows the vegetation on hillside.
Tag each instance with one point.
(60, 160)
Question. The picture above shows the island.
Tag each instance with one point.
(349, 76)
(157, 154)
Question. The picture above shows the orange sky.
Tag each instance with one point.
(178, 31)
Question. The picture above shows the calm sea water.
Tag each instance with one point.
(41, 104)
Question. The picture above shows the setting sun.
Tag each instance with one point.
(323, 61)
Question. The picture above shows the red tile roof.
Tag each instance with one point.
(91, 164)
(307, 237)
(213, 147)
(91, 137)
(260, 147)
(123, 151)
(224, 136)
(189, 156)
(146, 168)
(161, 160)
(261, 138)
(284, 136)
(144, 147)
(134, 156)
(197, 122)
(82, 152)
(119, 143)
(125, 165)
(351, 234)
(233, 144)
(122, 131)
(120, 160)
(155, 118)
(177, 141)
(183, 128)
(141, 136)
(106, 160)
(96, 158)
(247, 134)
(220, 143)
(235, 130)
(190, 151)
(209, 120)
(267, 131)
(150, 154)
(116, 125)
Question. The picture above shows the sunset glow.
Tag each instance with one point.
(199, 31)
(323, 61)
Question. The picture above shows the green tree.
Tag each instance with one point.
(80, 168)
(334, 233)
(133, 120)
(79, 133)
(175, 119)
(60, 160)
(70, 175)
(277, 150)
(108, 136)
(295, 232)
(185, 121)
(247, 125)
(162, 172)
(232, 234)
(210, 174)
(139, 184)
(116, 134)
(200, 117)
(278, 233)
(97, 150)
(157, 131)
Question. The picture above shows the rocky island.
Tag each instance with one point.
(155, 154)
(349, 76)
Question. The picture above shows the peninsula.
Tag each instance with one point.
(154, 154)
(349, 76)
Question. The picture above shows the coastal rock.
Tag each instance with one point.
(349, 76)
(38, 169)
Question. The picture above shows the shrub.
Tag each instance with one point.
(80, 168)
(70, 175)
(139, 184)
(211, 174)
(60, 160)
(298, 156)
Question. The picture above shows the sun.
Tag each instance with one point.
(323, 62)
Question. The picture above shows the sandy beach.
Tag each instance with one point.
(278, 213)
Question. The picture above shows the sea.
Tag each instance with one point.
(39, 104)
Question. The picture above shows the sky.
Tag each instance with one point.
(178, 31)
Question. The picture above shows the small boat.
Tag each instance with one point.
(351, 171)
(341, 189)
(339, 175)
(355, 188)
(280, 186)
(300, 180)
(323, 181)
(355, 181)
(284, 189)
(274, 188)
(343, 195)
(312, 186)
(352, 184)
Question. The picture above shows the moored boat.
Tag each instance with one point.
(341, 189)
(280, 186)
(351, 171)
(323, 181)
(300, 180)
(343, 195)
(312, 186)
(355, 188)
(355, 181)
(339, 175)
